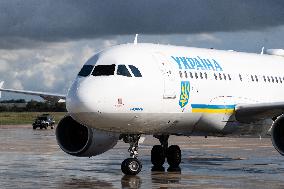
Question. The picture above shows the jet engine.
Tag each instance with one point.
(79, 140)
(277, 134)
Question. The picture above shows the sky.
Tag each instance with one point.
(44, 43)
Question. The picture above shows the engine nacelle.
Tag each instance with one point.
(79, 140)
(277, 134)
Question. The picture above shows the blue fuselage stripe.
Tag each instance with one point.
(206, 106)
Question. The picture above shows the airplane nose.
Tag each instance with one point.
(76, 101)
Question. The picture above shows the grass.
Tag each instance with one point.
(17, 118)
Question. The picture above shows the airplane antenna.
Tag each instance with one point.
(262, 50)
(136, 39)
(1, 85)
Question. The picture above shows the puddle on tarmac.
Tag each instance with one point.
(32, 159)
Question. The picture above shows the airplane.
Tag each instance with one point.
(130, 90)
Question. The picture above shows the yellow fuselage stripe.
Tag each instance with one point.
(212, 111)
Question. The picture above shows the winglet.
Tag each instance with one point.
(1, 85)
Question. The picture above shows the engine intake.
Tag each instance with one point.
(79, 140)
(277, 134)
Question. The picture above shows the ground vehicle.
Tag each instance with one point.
(43, 121)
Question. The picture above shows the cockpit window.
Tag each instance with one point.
(135, 71)
(122, 70)
(104, 70)
(86, 70)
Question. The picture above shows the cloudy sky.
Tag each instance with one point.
(43, 43)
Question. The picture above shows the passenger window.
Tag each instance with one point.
(135, 71)
(196, 75)
(185, 74)
(104, 70)
(216, 77)
(86, 70)
(220, 76)
(272, 79)
(180, 74)
(122, 70)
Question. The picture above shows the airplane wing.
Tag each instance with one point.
(53, 97)
(254, 112)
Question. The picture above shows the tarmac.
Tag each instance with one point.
(32, 159)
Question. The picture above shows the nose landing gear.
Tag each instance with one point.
(131, 166)
(159, 154)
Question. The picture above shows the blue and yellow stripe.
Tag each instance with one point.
(212, 109)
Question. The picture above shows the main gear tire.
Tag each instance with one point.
(158, 156)
(174, 156)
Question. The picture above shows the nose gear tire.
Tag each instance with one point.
(131, 166)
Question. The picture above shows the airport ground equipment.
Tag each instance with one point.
(44, 121)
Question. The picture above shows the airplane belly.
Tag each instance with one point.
(146, 123)
(248, 129)
(223, 124)
(210, 123)
(184, 124)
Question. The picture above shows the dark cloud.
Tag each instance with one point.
(50, 20)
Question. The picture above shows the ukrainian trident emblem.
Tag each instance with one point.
(184, 95)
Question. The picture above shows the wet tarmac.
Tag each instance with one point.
(32, 159)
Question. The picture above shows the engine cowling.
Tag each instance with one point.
(277, 134)
(79, 140)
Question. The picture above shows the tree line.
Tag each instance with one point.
(31, 106)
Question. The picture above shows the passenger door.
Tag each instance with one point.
(166, 69)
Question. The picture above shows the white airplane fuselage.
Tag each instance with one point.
(133, 89)
(182, 90)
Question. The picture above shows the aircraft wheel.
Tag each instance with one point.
(158, 156)
(174, 156)
(131, 166)
(174, 169)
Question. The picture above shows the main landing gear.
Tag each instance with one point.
(160, 153)
(131, 166)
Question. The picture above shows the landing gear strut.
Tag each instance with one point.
(162, 152)
(131, 166)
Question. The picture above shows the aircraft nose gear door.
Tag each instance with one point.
(169, 79)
